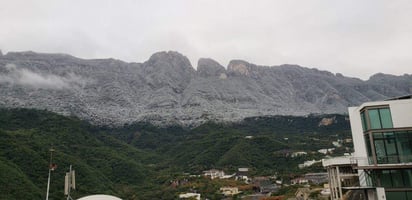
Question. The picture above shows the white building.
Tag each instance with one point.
(243, 169)
(214, 173)
(190, 196)
(299, 180)
(298, 153)
(382, 137)
(229, 191)
(308, 163)
(337, 143)
(326, 151)
(100, 197)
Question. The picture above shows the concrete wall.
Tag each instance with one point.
(357, 133)
(401, 111)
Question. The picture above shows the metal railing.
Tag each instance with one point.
(381, 160)
(393, 159)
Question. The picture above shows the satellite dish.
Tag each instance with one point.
(99, 197)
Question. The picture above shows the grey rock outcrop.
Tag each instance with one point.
(207, 67)
(166, 88)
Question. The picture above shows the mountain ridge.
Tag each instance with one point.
(167, 89)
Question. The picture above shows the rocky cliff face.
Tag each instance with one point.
(166, 88)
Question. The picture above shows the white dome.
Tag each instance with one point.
(100, 197)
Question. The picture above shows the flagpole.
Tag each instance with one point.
(48, 180)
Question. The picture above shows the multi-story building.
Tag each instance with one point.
(343, 177)
(382, 137)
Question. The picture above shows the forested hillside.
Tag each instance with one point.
(138, 161)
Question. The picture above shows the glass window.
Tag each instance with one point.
(363, 121)
(409, 195)
(380, 151)
(374, 119)
(401, 178)
(378, 118)
(378, 136)
(386, 118)
(368, 148)
(390, 147)
(404, 145)
(386, 180)
(407, 177)
(397, 180)
(396, 195)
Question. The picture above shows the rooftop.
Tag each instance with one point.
(409, 96)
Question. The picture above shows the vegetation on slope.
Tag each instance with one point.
(138, 161)
(103, 164)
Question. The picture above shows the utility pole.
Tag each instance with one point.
(51, 168)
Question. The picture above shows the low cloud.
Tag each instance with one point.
(28, 78)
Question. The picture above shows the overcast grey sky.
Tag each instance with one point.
(355, 37)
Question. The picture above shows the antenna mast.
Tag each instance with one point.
(69, 183)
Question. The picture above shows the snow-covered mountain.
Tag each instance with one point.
(167, 89)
